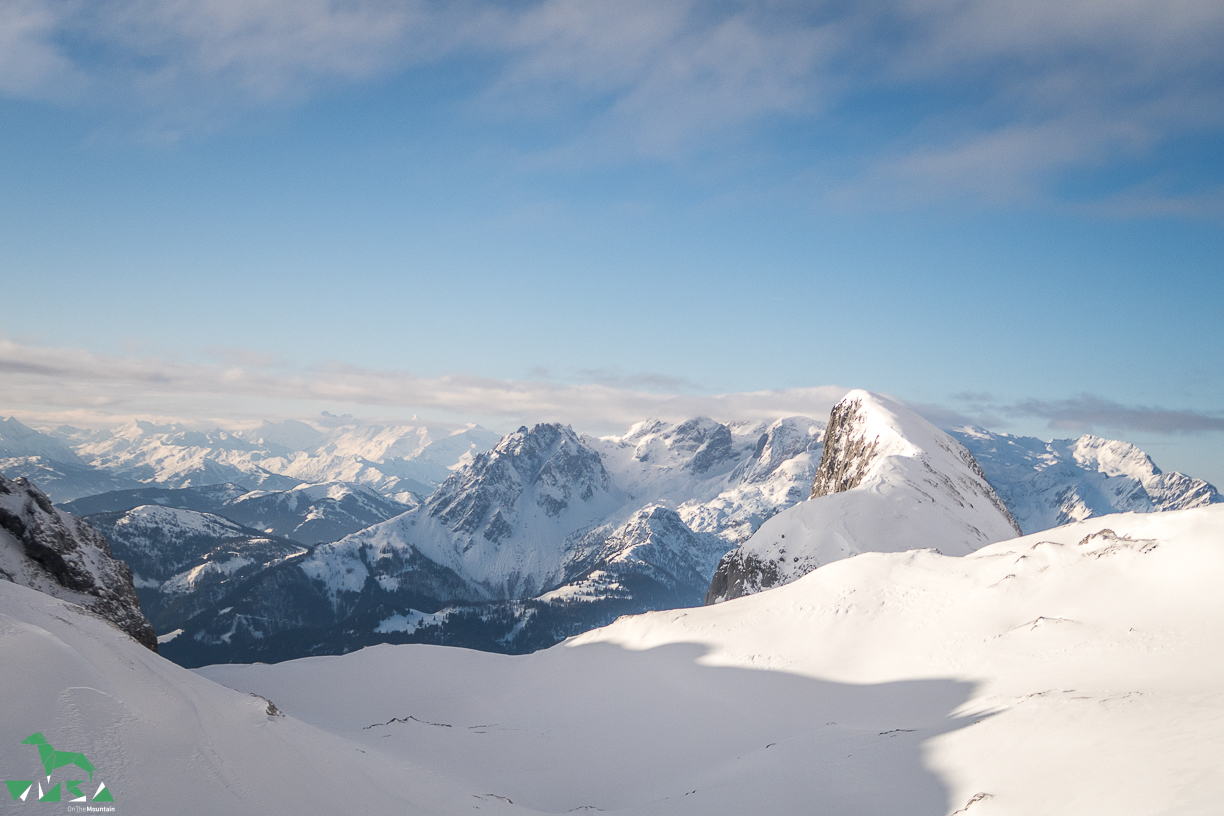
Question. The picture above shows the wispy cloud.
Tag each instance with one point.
(1005, 97)
(1087, 412)
(1084, 412)
(175, 55)
(661, 72)
(65, 382)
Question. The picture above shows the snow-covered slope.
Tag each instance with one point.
(1047, 484)
(61, 555)
(164, 740)
(888, 481)
(1074, 672)
(185, 561)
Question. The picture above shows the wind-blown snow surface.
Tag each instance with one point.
(1047, 484)
(165, 740)
(888, 481)
(1077, 671)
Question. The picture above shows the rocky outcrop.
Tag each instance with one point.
(740, 573)
(60, 554)
(848, 452)
(887, 481)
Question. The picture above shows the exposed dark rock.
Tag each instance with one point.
(847, 452)
(740, 573)
(60, 554)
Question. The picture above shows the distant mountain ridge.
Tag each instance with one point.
(185, 561)
(398, 461)
(1049, 484)
(545, 535)
(311, 514)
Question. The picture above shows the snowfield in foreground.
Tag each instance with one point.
(166, 741)
(1076, 671)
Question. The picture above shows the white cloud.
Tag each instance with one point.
(31, 64)
(663, 74)
(56, 382)
(1002, 96)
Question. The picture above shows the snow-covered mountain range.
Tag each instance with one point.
(1074, 672)
(395, 460)
(51, 464)
(1048, 484)
(907, 668)
(548, 534)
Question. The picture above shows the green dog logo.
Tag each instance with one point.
(52, 759)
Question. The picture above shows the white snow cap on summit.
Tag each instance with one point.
(888, 481)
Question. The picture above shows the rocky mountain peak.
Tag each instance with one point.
(549, 460)
(848, 450)
(61, 555)
(888, 480)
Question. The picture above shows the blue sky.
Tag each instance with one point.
(1009, 212)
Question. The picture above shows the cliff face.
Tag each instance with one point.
(848, 451)
(887, 481)
(60, 554)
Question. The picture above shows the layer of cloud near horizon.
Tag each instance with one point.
(62, 385)
(998, 100)
(78, 387)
